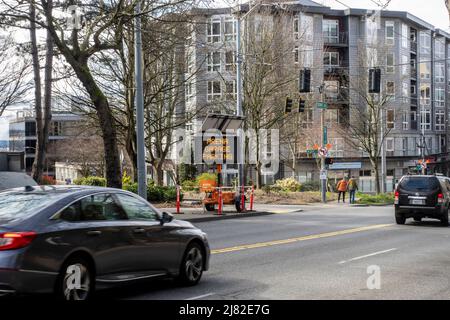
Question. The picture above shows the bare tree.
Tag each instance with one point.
(14, 68)
(267, 80)
(43, 114)
(363, 129)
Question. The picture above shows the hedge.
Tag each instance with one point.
(154, 193)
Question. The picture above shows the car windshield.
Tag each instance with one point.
(419, 183)
(19, 205)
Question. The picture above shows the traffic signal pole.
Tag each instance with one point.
(322, 158)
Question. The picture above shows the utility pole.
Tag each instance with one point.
(142, 172)
(383, 155)
(322, 158)
(239, 89)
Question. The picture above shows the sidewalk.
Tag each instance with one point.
(198, 215)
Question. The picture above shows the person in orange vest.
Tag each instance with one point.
(342, 187)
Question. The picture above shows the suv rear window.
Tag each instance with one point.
(419, 183)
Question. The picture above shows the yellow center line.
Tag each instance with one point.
(304, 238)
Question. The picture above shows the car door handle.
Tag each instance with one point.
(139, 230)
(94, 233)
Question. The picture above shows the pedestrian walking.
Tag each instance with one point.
(352, 188)
(342, 187)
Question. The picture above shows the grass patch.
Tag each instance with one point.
(382, 198)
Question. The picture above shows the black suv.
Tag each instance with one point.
(422, 197)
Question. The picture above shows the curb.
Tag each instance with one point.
(373, 205)
(224, 217)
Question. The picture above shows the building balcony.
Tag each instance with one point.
(413, 47)
(340, 40)
(335, 70)
(341, 97)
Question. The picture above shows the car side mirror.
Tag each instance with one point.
(166, 218)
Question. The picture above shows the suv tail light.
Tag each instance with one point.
(440, 198)
(15, 240)
(396, 195)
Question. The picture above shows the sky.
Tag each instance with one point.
(432, 11)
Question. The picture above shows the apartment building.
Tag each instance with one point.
(22, 136)
(338, 46)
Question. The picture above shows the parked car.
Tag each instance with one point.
(422, 196)
(71, 240)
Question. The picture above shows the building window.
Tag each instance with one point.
(307, 56)
(439, 45)
(405, 146)
(214, 90)
(390, 88)
(390, 119)
(390, 63)
(425, 95)
(331, 88)
(307, 118)
(440, 120)
(306, 28)
(425, 42)
(405, 90)
(390, 32)
(425, 122)
(425, 70)
(296, 57)
(405, 65)
(439, 75)
(214, 30)
(389, 144)
(189, 92)
(213, 61)
(405, 35)
(229, 31)
(405, 124)
(440, 97)
(230, 61)
(331, 59)
(331, 116)
(295, 27)
(338, 148)
(331, 31)
(230, 90)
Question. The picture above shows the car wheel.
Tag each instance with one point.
(191, 268)
(76, 280)
(209, 207)
(400, 219)
(418, 219)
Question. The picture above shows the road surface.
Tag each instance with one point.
(320, 253)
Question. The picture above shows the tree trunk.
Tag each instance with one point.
(37, 169)
(43, 124)
(112, 159)
(159, 173)
(374, 163)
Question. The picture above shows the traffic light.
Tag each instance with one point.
(288, 107)
(374, 80)
(301, 105)
(304, 81)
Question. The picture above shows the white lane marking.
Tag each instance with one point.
(368, 255)
(202, 296)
